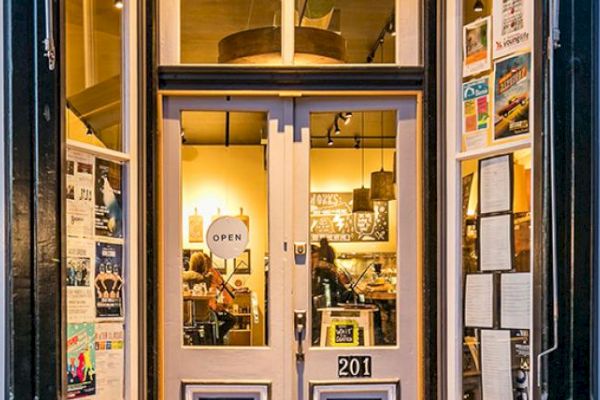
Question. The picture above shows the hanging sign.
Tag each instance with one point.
(227, 237)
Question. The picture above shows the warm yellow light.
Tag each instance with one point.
(119, 4)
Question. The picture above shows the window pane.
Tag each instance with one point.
(353, 229)
(350, 31)
(235, 31)
(224, 173)
(93, 72)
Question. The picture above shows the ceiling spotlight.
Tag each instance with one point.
(119, 4)
(356, 142)
(329, 139)
(89, 131)
(478, 6)
(337, 130)
(346, 117)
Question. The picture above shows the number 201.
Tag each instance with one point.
(354, 367)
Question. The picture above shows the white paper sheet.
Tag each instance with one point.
(80, 191)
(495, 365)
(80, 278)
(479, 300)
(494, 185)
(512, 26)
(515, 305)
(495, 243)
(109, 361)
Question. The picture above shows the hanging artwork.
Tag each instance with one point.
(219, 264)
(476, 47)
(242, 263)
(512, 24)
(196, 228)
(512, 86)
(331, 217)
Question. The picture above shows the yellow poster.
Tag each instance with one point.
(343, 333)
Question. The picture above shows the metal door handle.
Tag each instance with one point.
(300, 330)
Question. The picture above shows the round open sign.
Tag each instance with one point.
(227, 237)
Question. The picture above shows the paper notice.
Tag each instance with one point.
(476, 47)
(494, 184)
(515, 304)
(495, 365)
(512, 25)
(109, 361)
(479, 300)
(495, 243)
(80, 278)
(80, 189)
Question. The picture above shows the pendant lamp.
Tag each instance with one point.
(361, 197)
(382, 182)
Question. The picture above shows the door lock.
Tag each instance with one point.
(300, 331)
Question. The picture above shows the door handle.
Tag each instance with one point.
(300, 331)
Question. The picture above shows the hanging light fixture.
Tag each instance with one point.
(382, 182)
(478, 6)
(361, 197)
(118, 4)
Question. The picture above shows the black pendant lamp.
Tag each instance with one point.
(382, 182)
(361, 197)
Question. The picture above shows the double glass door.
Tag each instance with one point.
(291, 240)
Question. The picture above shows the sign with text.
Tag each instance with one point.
(343, 334)
(227, 237)
(354, 366)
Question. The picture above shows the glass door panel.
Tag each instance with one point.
(221, 188)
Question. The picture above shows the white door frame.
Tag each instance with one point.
(207, 364)
(389, 363)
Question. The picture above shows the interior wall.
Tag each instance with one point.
(339, 170)
(227, 178)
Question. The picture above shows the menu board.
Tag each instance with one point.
(331, 217)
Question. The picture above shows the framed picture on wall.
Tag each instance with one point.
(241, 264)
(218, 264)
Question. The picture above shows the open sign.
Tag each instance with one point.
(227, 237)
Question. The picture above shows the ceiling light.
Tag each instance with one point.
(478, 6)
(382, 182)
(119, 4)
(346, 117)
(337, 130)
(329, 139)
(89, 131)
(356, 142)
(361, 197)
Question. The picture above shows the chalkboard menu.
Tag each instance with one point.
(331, 217)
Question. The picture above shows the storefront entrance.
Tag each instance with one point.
(290, 231)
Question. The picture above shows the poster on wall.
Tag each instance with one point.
(511, 96)
(331, 217)
(110, 357)
(80, 190)
(80, 275)
(109, 202)
(81, 360)
(512, 22)
(476, 47)
(109, 280)
(476, 112)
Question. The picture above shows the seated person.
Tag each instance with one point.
(201, 271)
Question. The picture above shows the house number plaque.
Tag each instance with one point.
(354, 366)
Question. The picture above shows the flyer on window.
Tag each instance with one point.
(476, 106)
(80, 278)
(110, 359)
(476, 47)
(512, 24)
(108, 281)
(511, 96)
(80, 190)
(109, 204)
(81, 361)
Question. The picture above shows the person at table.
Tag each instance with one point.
(202, 271)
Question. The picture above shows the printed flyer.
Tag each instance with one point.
(80, 275)
(476, 47)
(476, 105)
(80, 189)
(81, 361)
(511, 96)
(109, 205)
(512, 24)
(110, 359)
(109, 280)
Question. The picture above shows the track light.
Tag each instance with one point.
(478, 6)
(346, 117)
(329, 139)
(119, 4)
(356, 142)
(89, 131)
(337, 130)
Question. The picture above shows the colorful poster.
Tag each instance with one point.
(476, 105)
(511, 96)
(80, 275)
(109, 280)
(331, 217)
(476, 47)
(109, 204)
(110, 360)
(81, 361)
(80, 190)
(512, 24)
